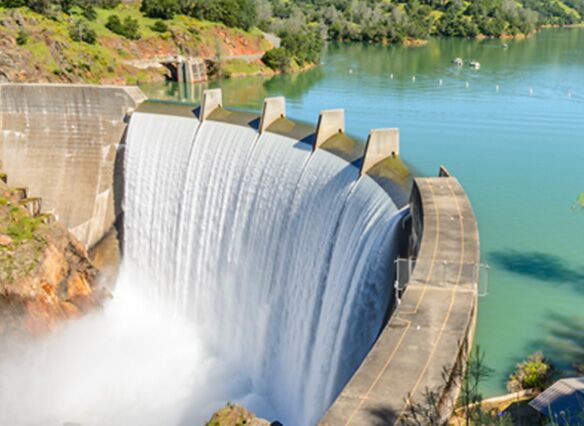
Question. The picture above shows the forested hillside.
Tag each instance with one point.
(396, 21)
(112, 41)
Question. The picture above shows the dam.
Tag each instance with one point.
(283, 243)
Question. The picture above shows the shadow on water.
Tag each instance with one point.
(541, 266)
(562, 340)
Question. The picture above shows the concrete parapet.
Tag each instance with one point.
(61, 142)
(273, 109)
(330, 123)
(381, 144)
(212, 99)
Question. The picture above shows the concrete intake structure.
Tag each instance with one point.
(425, 334)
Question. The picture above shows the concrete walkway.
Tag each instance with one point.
(423, 339)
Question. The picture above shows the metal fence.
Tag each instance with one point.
(441, 272)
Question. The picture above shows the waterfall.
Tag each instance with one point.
(282, 258)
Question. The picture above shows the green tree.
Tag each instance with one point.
(114, 24)
(131, 28)
(22, 37)
(277, 59)
(537, 373)
(159, 27)
(162, 9)
(303, 46)
(233, 13)
(475, 373)
(128, 28)
(81, 31)
(89, 12)
(107, 4)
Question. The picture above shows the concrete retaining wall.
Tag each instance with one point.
(61, 142)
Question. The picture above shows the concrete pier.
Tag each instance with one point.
(425, 336)
(273, 109)
(330, 123)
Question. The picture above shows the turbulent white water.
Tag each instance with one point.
(254, 271)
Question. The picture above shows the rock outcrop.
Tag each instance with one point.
(45, 273)
(236, 415)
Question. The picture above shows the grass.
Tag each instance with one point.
(25, 251)
(16, 222)
(235, 67)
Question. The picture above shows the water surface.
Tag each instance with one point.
(511, 132)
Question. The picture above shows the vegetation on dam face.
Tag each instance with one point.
(45, 274)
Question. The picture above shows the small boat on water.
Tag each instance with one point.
(458, 62)
(475, 64)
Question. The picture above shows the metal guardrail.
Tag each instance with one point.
(445, 271)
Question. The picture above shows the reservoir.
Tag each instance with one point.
(513, 134)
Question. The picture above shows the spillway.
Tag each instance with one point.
(258, 264)
(279, 254)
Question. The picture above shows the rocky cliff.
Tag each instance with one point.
(45, 273)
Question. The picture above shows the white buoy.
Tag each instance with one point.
(467, 85)
(530, 92)
(414, 78)
(440, 82)
(350, 70)
(569, 94)
(391, 76)
(497, 87)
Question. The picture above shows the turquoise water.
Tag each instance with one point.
(513, 134)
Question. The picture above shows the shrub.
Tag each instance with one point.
(535, 373)
(159, 27)
(233, 13)
(109, 4)
(80, 31)
(22, 37)
(129, 28)
(114, 24)
(304, 46)
(277, 59)
(89, 12)
(40, 6)
(163, 9)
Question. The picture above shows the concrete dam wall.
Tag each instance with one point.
(282, 239)
(60, 142)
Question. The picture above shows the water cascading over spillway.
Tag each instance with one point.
(282, 257)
